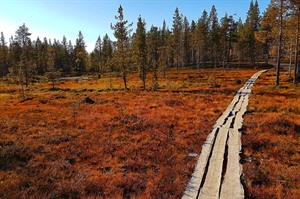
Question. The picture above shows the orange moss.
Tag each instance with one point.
(271, 139)
(128, 144)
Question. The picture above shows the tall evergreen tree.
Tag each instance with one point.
(80, 54)
(193, 41)
(295, 7)
(22, 38)
(214, 36)
(39, 56)
(154, 43)
(66, 65)
(252, 25)
(3, 56)
(177, 37)
(186, 42)
(107, 50)
(140, 49)
(240, 41)
(228, 37)
(202, 39)
(121, 33)
(51, 70)
(165, 48)
(96, 56)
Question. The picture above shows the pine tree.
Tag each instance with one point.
(66, 65)
(52, 71)
(154, 43)
(224, 36)
(228, 37)
(107, 50)
(177, 35)
(98, 51)
(121, 33)
(214, 36)
(165, 48)
(202, 39)
(186, 42)
(39, 56)
(252, 25)
(269, 30)
(96, 56)
(193, 41)
(295, 7)
(240, 41)
(80, 54)
(140, 49)
(3, 56)
(22, 39)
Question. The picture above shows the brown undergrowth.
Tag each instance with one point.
(132, 144)
(271, 139)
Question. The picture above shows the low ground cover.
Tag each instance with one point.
(271, 140)
(132, 144)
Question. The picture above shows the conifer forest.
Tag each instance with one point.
(131, 118)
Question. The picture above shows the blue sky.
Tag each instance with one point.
(55, 18)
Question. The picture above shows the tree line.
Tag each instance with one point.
(207, 42)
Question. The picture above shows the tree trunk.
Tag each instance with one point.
(279, 46)
(124, 78)
(22, 91)
(296, 74)
(155, 78)
(290, 65)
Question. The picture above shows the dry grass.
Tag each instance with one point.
(272, 130)
(131, 144)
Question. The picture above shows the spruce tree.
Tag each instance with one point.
(3, 56)
(164, 49)
(107, 50)
(228, 37)
(295, 6)
(96, 56)
(140, 49)
(52, 71)
(202, 39)
(154, 43)
(193, 37)
(186, 42)
(121, 33)
(214, 36)
(252, 25)
(22, 38)
(65, 56)
(177, 37)
(80, 54)
(241, 41)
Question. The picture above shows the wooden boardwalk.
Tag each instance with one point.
(218, 171)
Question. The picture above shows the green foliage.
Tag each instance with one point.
(3, 56)
(140, 49)
(177, 37)
(80, 54)
(203, 42)
(121, 32)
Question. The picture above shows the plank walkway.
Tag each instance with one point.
(218, 171)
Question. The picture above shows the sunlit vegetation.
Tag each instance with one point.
(271, 139)
(121, 122)
(133, 144)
